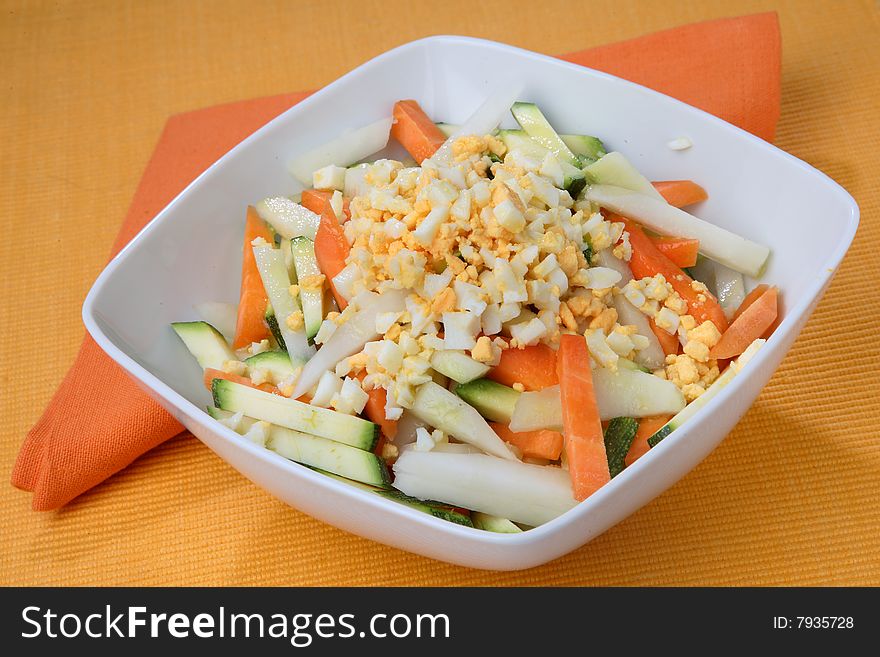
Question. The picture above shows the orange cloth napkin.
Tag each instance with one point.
(99, 421)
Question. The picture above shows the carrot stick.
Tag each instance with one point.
(680, 192)
(680, 250)
(331, 247)
(668, 342)
(752, 323)
(249, 326)
(318, 201)
(211, 374)
(415, 131)
(750, 298)
(582, 428)
(540, 444)
(648, 426)
(534, 367)
(647, 261)
(375, 410)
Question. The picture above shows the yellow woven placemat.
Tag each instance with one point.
(789, 498)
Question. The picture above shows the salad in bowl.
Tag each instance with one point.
(488, 330)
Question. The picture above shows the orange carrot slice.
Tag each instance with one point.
(331, 247)
(249, 326)
(416, 132)
(751, 324)
(648, 426)
(582, 427)
(318, 201)
(534, 367)
(668, 342)
(680, 192)
(375, 411)
(540, 444)
(647, 261)
(680, 250)
(211, 374)
(750, 298)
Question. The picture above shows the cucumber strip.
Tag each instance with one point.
(293, 414)
(449, 413)
(312, 299)
(350, 147)
(726, 377)
(272, 323)
(633, 393)
(495, 524)
(721, 245)
(533, 121)
(273, 272)
(205, 343)
(618, 439)
(316, 452)
(278, 364)
(351, 337)
(538, 410)
(287, 218)
(588, 149)
(458, 366)
(573, 180)
(493, 400)
(614, 169)
(436, 509)
(222, 316)
(521, 492)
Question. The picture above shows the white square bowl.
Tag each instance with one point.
(191, 252)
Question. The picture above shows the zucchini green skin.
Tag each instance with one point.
(533, 121)
(494, 524)
(493, 400)
(302, 250)
(360, 467)
(272, 323)
(277, 362)
(618, 439)
(296, 415)
(436, 509)
(205, 343)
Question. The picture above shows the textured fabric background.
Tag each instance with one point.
(791, 495)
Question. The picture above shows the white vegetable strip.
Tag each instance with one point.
(449, 413)
(289, 219)
(407, 425)
(351, 336)
(484, 120)
(273, 272)
(614, 169)
(222, 316)
(729, 288)
(721, 245)
(624, 393)
(530, 494)
(633, 393)
(653, 356)
(537, 410)
(344, 150)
